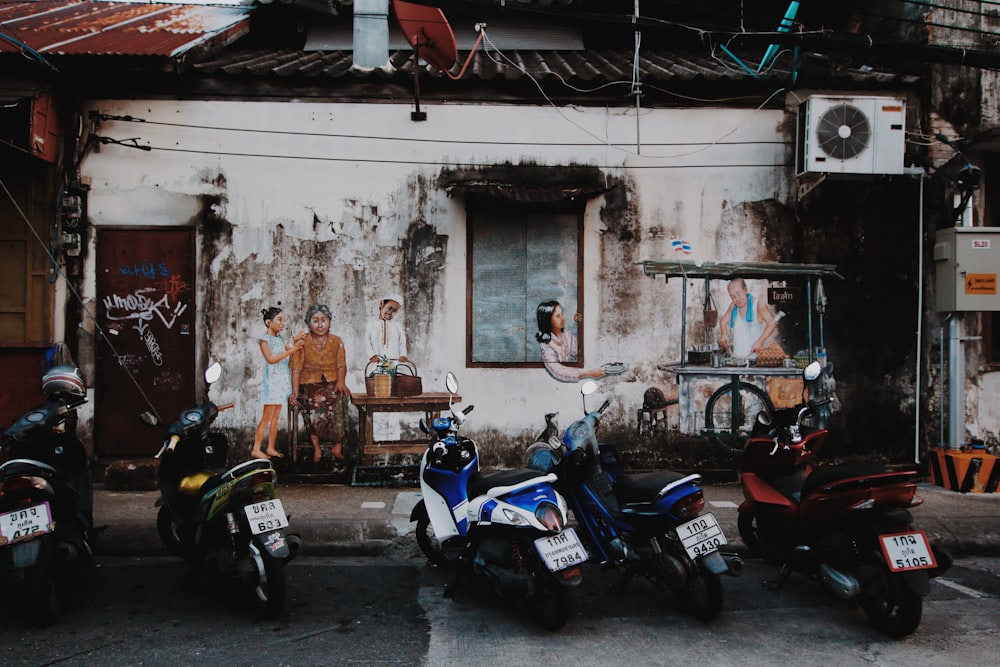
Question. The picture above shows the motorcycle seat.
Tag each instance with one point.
(480, 483)
(824, 476)
(26, 467)
(646, 487)
(241, 469)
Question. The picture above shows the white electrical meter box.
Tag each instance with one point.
(967, 260)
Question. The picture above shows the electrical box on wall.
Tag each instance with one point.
(967, 260)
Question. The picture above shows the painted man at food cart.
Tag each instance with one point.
(558, 346)
(747, 324)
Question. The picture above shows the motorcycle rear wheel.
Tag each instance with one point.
(550, 604)
(891, 606)
(702, 596)
(269, 589)
(40, 587)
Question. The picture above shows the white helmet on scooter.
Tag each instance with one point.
(63, 382)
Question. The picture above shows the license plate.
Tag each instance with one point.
(701, 536)
(561, 551)
(25, 523)
(907, 551)
(266, 516)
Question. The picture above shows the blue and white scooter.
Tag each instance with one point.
(508, 526)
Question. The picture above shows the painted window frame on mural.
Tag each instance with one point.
(518, 256)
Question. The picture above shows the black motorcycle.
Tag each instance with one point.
(231, 519)
(46, 498)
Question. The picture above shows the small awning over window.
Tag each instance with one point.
(554, 194)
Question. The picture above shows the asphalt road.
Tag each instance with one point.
(389, 611)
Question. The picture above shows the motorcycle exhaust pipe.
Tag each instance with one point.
(734, 564)
(294, 547)
(66, 552)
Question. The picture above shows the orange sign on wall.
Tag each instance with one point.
(981, 283)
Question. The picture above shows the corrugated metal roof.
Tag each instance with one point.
(587, 68)
(98, 27)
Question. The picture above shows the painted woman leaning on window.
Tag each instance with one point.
(558, 346)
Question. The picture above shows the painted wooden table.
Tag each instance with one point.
(431, 404)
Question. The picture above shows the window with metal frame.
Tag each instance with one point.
(518, 257)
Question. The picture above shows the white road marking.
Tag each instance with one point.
(955, 586)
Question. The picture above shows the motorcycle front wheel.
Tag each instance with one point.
(890, 605)
(167, 529)
(429, 544)
(269, 589)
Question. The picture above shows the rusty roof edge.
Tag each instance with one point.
(210, 43)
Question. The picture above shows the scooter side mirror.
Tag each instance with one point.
(812, 371)
(213, 373)
(588, 388)
(451, 383)
(149, 419)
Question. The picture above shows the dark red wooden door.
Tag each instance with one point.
(146, 314)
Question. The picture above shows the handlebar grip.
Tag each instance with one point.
(604, 406)
(468, 410)
(227, 406)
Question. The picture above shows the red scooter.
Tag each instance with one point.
(847, 526)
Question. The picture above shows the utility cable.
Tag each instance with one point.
(77, 296)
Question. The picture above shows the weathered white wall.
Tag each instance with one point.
(320, 198)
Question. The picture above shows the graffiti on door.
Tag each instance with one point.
(146, 308)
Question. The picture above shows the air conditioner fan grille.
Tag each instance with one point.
(843, 131)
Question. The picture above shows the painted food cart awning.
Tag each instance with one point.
(679, 268)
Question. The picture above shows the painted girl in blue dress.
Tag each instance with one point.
(277, 386)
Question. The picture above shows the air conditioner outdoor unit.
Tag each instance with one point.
(847, 134)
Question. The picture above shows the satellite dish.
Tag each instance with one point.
(427, 31)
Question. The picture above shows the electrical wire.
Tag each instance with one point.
(76, 294)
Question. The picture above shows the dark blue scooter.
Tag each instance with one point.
(650, 524)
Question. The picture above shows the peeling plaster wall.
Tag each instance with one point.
(339, 204)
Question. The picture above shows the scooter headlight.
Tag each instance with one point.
(548, 515)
